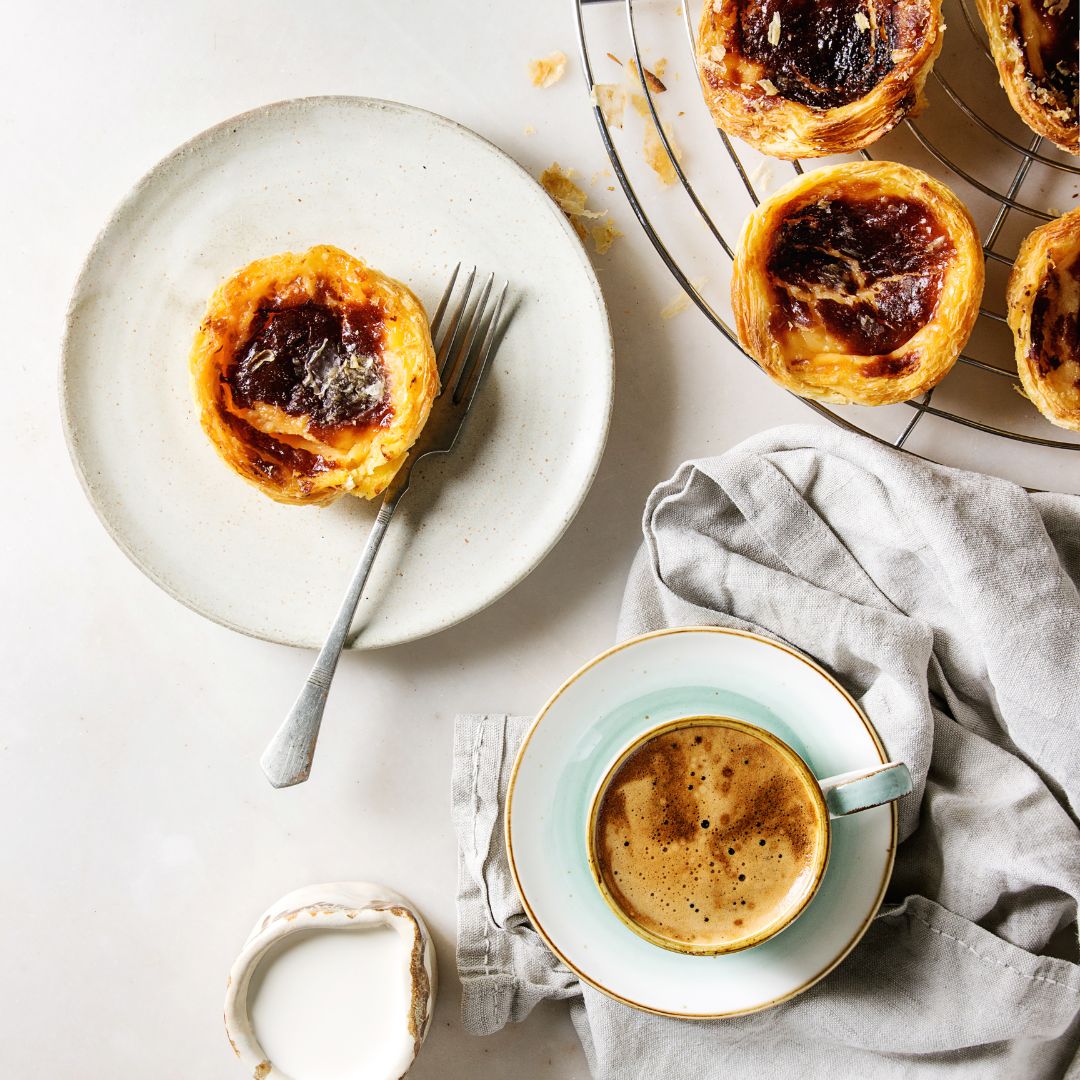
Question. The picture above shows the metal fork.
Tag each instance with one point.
(461, 361)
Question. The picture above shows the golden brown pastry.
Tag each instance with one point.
(1034, 43)
(858, 283)
(314, 374)
(807, 78)
(1044, 313)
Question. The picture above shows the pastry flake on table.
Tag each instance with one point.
(572, 201)
(796, 78)
(603, 234)
(610, 98)
(656, 155)
(314, 374)
(678, 304)
(1044, 314)
(761, 176)
(652, 80)
(548, 70)
(1034, 43)
(858, 283)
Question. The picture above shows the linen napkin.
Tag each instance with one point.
(946, 602)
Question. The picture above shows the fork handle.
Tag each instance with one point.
(287, 759)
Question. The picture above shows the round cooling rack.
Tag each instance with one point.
(1011, 180)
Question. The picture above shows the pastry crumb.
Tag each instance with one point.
(773, 36)
(676, 307)
(529, 129)
(654, 83)
(572, 200)
(603, 235)
(678, 304)
(651, 81)
(611, 100)
(660, 67)
(761, 176)
(548, 70)
(641, 106)
(612, 56)
(768, 87)
(559, 184)
(861, 21)
(717, 54)
(657, 156)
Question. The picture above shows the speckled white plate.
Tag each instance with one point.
(627, 691)
(411, 193)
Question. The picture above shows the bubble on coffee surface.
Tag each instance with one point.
(706, 835)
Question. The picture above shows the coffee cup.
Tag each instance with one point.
(711, 835)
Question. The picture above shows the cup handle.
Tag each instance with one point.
(850, 792)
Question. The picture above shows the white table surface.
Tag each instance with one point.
(140, 838)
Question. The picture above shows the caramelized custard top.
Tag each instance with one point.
(311, 360)
(827, 53)
(1047, 32)
(857, 273)
(1055, 333)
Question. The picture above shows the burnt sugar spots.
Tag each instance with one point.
(271, 456)
(823, 53)
(1047, 32)
(1055, 330)
(704, 834)
(856, 274)
(315, 361)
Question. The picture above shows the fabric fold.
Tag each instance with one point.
(946, 603)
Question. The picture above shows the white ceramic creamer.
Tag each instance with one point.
(335, 982)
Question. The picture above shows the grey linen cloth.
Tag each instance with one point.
(947, 603)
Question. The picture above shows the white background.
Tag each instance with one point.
(140, 839)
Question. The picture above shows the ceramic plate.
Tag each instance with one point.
(411, 193)
(610, 702)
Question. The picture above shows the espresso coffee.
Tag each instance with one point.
(707, 835)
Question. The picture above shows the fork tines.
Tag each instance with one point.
(463, 348)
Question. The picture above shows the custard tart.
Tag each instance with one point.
(1035, 47)
(314, 374)
(808, 78)
(858, 283)
(1044, 314)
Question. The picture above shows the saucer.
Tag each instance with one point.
(617, 697)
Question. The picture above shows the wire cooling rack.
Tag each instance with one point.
(1012, 180)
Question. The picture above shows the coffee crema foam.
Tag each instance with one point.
(706, 835)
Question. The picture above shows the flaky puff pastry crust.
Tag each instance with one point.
(885, 50)
(1044, 302)
(289, 455)
(1014, 28)
(824, 311)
